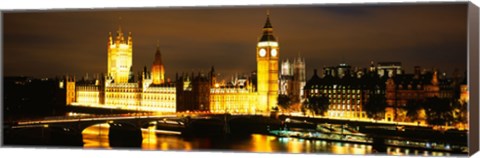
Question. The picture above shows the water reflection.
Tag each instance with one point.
(97, 137)
(154, 141)
(415, 152)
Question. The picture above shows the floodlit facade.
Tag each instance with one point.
(158, 71)
(151, 91)
(346, 95)
(118, 89)
(268, 52)
(293, 78)
(237, 96)
(119, 56)
(202, 92)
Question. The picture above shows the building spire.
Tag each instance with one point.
(268, 25)
(267, 30)
(120, 38)
(110, 39)
(158, 55)
(119, 25)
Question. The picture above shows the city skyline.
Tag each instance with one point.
(58, 43)
(350, 79)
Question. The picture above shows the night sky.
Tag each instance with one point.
(59, 42)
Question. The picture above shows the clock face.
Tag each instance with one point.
(262, 52)
(274, 52)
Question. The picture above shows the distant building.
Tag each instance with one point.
(464, 91)
(447, 87)
(286, 77)
(415, 87)
(292, 79)
(389, 69)
(338, 71)
(347, 94)
(193, 92)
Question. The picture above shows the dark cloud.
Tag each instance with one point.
(50, 43)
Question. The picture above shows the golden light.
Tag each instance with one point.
(96, 136)
(267, 44)
(262, 52)
(274, 52)
(118, 93)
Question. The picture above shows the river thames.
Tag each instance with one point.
(97, 136)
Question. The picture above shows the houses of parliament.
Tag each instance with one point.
(149, 90)
(348, 89)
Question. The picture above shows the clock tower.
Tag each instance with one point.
(267, 68)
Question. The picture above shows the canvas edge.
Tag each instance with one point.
(1, 79)
(473, 77)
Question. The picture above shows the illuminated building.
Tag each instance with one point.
(119, 57)
(347, 90)
(338, 71)
(87, 93)
(447, 87)
(292, 79)
(402, 88)
(236, 97)
(389, 68)
(286, 78)
(150, 91)
(346, 95)
(299, 78)
(158, 71)
(268, 53)
(343, 69)
(119, 90)
(464, 93)
(70, 90)
(203, 93)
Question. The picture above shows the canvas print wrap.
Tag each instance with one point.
(319, 79)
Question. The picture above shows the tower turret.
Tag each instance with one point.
(158, 70)
(119, 57)
(267, 68)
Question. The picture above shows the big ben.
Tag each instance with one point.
(267, 68)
